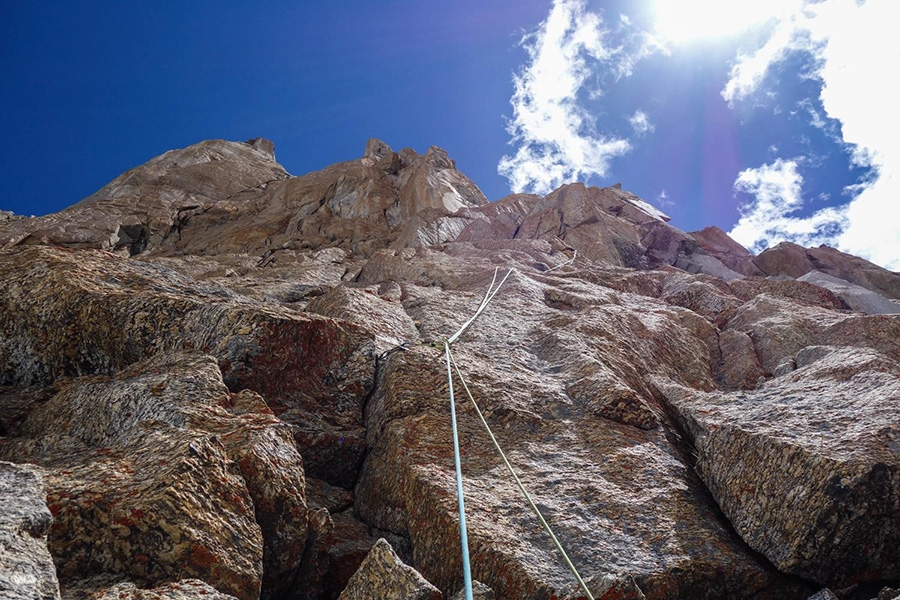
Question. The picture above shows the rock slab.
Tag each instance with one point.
(26, 568)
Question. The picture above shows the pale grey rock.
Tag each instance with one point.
(698, 262)
(807, 466)
(383, 576)
(479, 592)
(26, 567)
(855, 296)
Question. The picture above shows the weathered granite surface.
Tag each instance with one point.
(227, 374)
(807, 466)
(26, 568)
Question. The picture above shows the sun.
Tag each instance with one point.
(684, 21)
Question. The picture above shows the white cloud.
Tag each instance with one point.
(663, 200)
(855, 53)
(557, 139)
(768, 218)
(640, 122)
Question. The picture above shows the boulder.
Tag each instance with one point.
(806, 466)
(384, 576)
(26, 571)
(794, 261)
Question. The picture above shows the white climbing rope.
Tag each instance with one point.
(464, 539)
(463, 534)
(487, 298)
(563, 264)
(519, 481)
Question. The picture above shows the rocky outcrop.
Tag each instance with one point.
(383, 575)
(854, 296)
(236, 386)
(795, 261)
(567, 403)
(26, 571)
(716, 243)
(160, 473)
(806, 466)
(146, 206)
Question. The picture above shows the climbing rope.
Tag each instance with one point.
(463, 534)
(563, 264)
(519, 483)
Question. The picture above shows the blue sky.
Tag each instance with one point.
(773, 120)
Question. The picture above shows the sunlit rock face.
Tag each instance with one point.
(221, 380)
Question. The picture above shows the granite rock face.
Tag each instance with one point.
(807, 466)
(160, 473)
(26, 568)
(109, 312)
(230, 381)
(383, 575)
(795, 261)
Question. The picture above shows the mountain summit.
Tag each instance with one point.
(223, 381)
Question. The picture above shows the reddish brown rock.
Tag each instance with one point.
(807, 293)
(780, 328)
(383, 575)
(230, 255)
(738, 367)
(147, 206)
(159, 474)
(795, 261)
(26, 568)
(186, 589)
(715, 242)
(110, 312)
(529, 357)
(806, 467)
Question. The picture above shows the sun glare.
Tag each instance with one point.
(682, 21)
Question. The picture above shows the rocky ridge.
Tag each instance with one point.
(220, 379)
